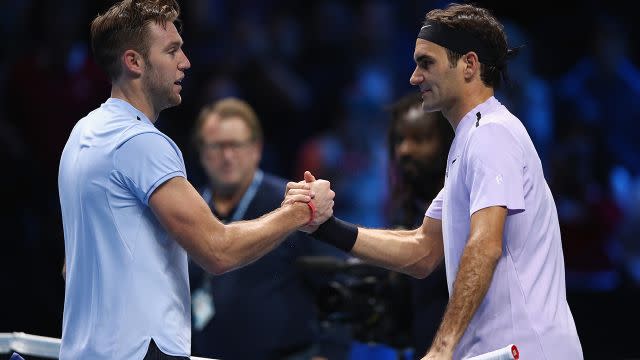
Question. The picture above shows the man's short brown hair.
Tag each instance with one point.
(125, 26)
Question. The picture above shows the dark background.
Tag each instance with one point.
(320, 74)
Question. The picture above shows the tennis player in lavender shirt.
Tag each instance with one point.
(495, 222)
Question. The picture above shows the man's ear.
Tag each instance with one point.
(133, 62)
(471, 64)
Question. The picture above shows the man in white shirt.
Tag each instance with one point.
(495, 222)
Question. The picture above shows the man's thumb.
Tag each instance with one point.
(308, 177)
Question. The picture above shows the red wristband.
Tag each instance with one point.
(312, 209)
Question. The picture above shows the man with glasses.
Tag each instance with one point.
(268, 301)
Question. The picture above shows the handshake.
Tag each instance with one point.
(317, 194)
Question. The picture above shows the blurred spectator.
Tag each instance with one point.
(265, 310)
(418, 147)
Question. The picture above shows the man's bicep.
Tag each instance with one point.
(431, 228)
(487, 226)
(187, 218)
(430, 233)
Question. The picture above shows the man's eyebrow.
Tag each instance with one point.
(422, 58)
(174, 43)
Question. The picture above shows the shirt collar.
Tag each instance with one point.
(470, 118)
(124, 105)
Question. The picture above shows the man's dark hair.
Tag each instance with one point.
(484, 26)
(126, 26)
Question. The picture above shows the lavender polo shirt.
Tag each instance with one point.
(492, 162)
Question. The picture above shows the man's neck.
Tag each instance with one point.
(465, 103)
(134, 95)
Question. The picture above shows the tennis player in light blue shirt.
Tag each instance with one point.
(130, 217)
(123, 267)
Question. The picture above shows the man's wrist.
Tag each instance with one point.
(443, 346)
(312, 212)
(299, 211)
(338, 233)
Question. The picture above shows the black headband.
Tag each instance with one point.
(460, 41)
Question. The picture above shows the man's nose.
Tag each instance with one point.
(403, 148)
(416, 79)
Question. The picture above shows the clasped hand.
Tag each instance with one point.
(318, 192)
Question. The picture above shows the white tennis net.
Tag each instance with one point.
(42, 346)
(48, 347)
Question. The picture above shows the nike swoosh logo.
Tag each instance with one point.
(454, 160)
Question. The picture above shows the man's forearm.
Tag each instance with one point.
(474, 276)
(413, 252)
(246, 241)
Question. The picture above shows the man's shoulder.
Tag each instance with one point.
(497, 118)
(496, 134)
(144, 132)
(495, 126)
(109, 122)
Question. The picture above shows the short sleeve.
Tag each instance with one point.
(435, 208)
(495, 169)
(146, 161)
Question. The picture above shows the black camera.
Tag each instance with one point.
(372, 301)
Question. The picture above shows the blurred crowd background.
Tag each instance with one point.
(320, 75)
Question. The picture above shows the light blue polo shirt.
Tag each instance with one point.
(492, 162)
(127, 279)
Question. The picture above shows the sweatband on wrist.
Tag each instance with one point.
(312, 209)
(338, 233)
